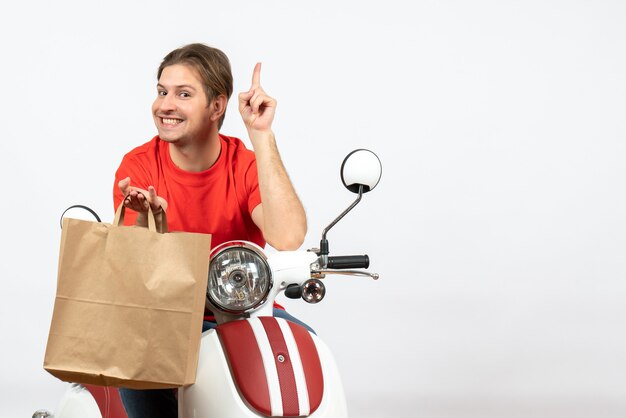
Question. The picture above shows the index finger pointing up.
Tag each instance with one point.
(256, 75)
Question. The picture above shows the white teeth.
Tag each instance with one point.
(171, 121)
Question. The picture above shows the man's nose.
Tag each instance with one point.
(168, 103)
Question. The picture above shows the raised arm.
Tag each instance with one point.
(281, 216)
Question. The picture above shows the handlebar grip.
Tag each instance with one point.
(349, 262)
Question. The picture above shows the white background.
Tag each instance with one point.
(498, 228)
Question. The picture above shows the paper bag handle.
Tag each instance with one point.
(119, 218)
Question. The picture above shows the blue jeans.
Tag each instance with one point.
(162, 403)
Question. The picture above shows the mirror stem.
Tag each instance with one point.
(324, 243)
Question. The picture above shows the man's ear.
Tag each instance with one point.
(218, 105)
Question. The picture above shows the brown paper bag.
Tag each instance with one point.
(129, 305)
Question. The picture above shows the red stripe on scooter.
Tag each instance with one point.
(108, 400)
(310, 363)
(246, 364)
(286, 377)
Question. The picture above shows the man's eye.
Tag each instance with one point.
(162, 93)
(184, 94)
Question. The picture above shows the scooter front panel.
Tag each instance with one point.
(246, 363)
(310, 360)
(215, 394)
(287, 379)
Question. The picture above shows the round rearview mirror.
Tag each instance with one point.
(361, 168)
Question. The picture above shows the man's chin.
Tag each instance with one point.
(168, 138)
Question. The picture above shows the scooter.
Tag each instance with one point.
(254, 364)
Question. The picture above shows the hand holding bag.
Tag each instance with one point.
(129, 304)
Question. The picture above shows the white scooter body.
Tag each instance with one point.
(215, 394)
(77, 402)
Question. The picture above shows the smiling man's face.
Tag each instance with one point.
(180, 111)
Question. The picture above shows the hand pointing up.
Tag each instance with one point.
(256, 107)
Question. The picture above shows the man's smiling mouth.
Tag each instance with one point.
(170, 121)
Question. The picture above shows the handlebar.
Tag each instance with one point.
(349, 262)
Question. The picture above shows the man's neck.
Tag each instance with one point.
(197, 156)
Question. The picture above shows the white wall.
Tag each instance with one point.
(498, 227)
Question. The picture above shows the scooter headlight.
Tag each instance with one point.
(239, 277)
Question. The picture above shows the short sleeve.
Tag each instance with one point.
(252, 186)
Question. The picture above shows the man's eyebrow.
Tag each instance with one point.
(179, 87)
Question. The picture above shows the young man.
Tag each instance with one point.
(207, 182)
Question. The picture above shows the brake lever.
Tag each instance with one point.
(320, 274)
